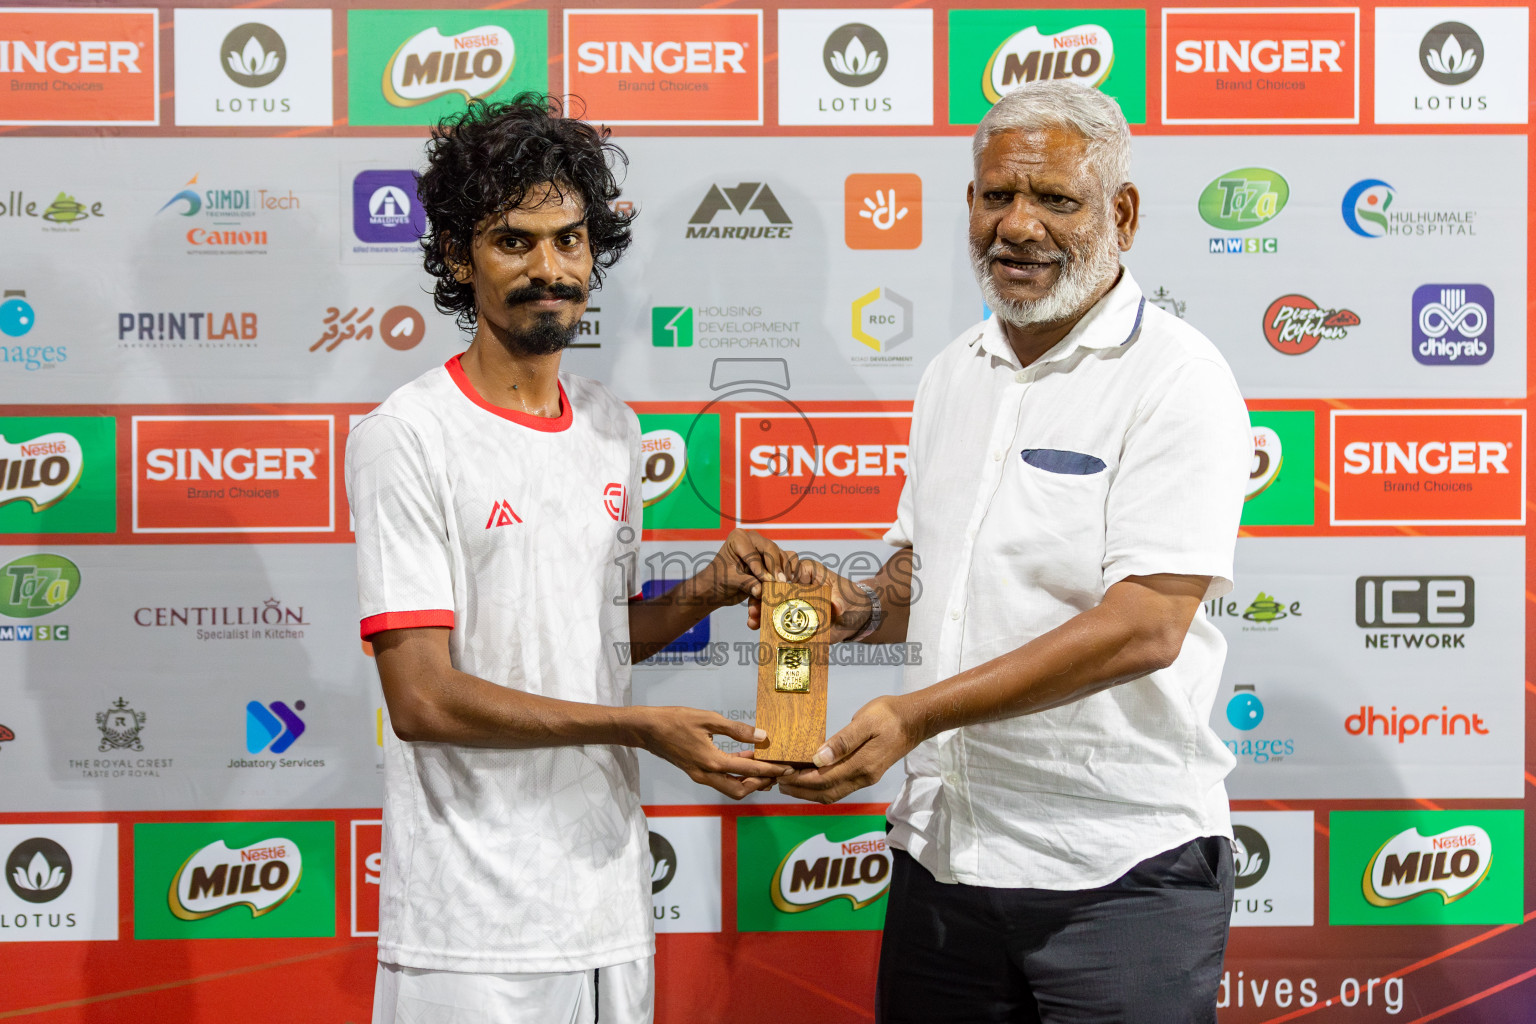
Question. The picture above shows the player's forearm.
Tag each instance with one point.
(657, 621)
(449, 706)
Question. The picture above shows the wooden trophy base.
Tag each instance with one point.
(792, 677)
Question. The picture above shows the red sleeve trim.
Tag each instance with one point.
(407, 620)
(548, 424)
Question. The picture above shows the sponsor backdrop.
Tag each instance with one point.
(209, 271)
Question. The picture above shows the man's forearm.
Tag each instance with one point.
(657, 621)
(896, 589)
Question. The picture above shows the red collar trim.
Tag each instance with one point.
(548, 424)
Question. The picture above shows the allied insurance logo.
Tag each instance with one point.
(666, 67)
(233, 474)
(65, 66)
(1442, 467)
(1261, 65)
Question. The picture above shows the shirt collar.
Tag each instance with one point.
(1112, 322)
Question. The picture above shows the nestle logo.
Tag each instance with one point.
(50, 448)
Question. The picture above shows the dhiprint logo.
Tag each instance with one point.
(254, 55)
(855, 55)
(38, 870)
(273, 727)
(216, 878)
(1451, 53)
(502, 515)
(1294, 324)
(883, 211)
(743, 199)
(1453, 324)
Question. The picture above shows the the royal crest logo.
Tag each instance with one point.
(429, 65)
(41, 471)
(216, 878)
(1294, 324)
(818, 871)
(120, 725)
(1451, 863)
(1083, 53)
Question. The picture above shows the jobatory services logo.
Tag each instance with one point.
(1370, 210)
(58, 474)
(1294, 324)
(1452, 324)
(855, 67)
(1426, 867)
(1452, 65)
(1263, 65)
(60, 882)
(272, 728)
(1241, 200)
(414, 67)
(822, 470)
(680, 486)
(883, 211)
(1442, 467)
(243, 67)
(666, 67)
(995, 52)
(1280, 481)
(747, 210)
(80, 66)
(233, 474)
(811, 873)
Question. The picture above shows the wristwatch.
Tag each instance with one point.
(876, 613)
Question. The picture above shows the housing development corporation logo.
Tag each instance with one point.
(79, 67)
(1452, 324)
(1445, 467)
(1294, 324)
(1369, 211)
(1272, 65)
(750, 203)
(855, 67)
(666, 67)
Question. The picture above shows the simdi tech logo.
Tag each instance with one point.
(244, 67)
(666, 67)
(1426, 867)
(1440, 467)
(234, 474)
(414, 67)
(994, 52)
(1261, 65)
(79, 66)
(234, 880)
(58, 474)
(811, 873)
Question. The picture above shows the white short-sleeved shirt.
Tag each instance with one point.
(1123, 451)
(515, 532)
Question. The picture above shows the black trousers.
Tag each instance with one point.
(1144, 949)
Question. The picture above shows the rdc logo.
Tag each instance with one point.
(1453, 324)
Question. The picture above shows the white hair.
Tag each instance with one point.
(1065, 105)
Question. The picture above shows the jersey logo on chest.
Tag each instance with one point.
(502, 515)
(616, 501)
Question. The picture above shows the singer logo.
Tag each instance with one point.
(79, 67)
(666, 67)
(1273, 65)
(1432, 468)
(233, 474)
(821, 470)
(367, 870)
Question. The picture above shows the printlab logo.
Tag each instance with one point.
(1453, 324)
(855, 55)
(1451, 53)
(744, 201)
(16, 315)
(663, 862)
(400, 327)
(1250, 856)
(883, 211)
(38, 870)
(1294, 324)
(385, 208)
(254, 55)
(272, 727)
(120, 726)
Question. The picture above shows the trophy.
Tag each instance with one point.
(792, 671)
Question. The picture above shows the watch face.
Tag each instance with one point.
(795, 620)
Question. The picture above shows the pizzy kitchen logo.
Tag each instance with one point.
(1294, 324)
(261, 876)
(819, 870)
(41, 471)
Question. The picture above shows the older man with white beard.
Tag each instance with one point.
(1076, 477)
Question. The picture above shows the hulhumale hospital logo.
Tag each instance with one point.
(1371, 210)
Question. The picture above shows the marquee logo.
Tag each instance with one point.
(60, 66)
(36, 585)
(666, 66)
(233, 474)
(745, 201)
(1294, 324)
(821, 470)
(1244, 198)
(1082, 53)
(819, 870)
(216, 878)
(1273, 65)
(41, 471)
(1450, 864)
(1452, 324)
(1427, 467)
(429, 65)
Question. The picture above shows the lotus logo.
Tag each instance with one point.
(214, 879)
(1451, 53)
(253, 55)
(1452, 864)
(38, 870)
(663, 863)
(819, 871)
(1085, 53)
(855, 55)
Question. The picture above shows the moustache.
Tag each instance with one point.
(1028, 255)
(534, 293)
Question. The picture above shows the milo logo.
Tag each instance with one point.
(42, 471)
(35, 585)
(1266, 461)
(1084, 54)
(1452, 863)
(666, 463)
(429, 64)
(818, 871)
(1244, 198)
(215, 878)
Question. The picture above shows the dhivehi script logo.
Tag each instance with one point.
(1266, 461)
(260, 876)
(42, 471)
(429, 64)
(1085, 53)
(666, 463)
(1452, 864)
(819, 871)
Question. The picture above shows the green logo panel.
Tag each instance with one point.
(414, 67)
(681, 494)
(811, 873)
(992, 52)
(1244, 198)
(58, 497)
(250, 887)
(34, 585)
(1280, 488)
(1426, 867)
(672, 326)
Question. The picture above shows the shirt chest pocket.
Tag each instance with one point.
(1050, 507)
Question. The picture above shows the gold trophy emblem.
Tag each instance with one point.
(792, 678)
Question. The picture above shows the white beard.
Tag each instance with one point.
(1080, 277)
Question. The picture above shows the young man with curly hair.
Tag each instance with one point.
(496, 501)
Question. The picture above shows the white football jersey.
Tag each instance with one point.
(516, 532)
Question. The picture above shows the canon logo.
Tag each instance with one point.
(88, 57)
(835, 460)
(1267, 55)
(669, 58)
(1389, 457)
(230, 464)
